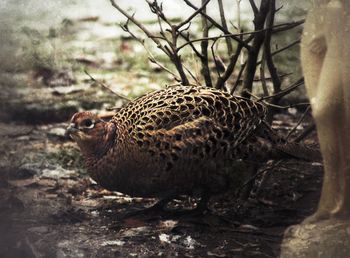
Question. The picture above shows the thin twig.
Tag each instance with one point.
(151, 57)
(217, 25)
(289, 106)
(253, 53)
(153, 60)
(224, 25)
(252, 179)
(239, 28)
(254, 7)
(286, 91)
(158, 10)
(192, 75)
(283, 49)
(143, 28)
(217, 69)
(305, 133)
(169, 49)
(230, 35)
(287, 26)
(262, 75)
(298, 123)
(218, 37)
(205, 71)
(276, 82)
(273, 105)
(238, 80)
(230, 68)
(187, 38)
(199, 10)
(106, 87)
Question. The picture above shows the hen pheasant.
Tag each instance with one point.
(179, 140)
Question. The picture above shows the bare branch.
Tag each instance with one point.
(273, 105)
(230, 68)
(216, 61)
(151, 58)
(254, 7)
(287, 26)
(106, 87)
(193, 77)
(238, 79)
(267, 50)
(217, 25)
(262, 75)
(239, 27)
(221, 36)
(305, 133)
(299, 122)
(253, 53)
(283, 26)
(199, 10)
(286, 91)
(189, 42)
(158, 10)
(224, 25)
(169, 49)
(282, 49)
(143, 28)
(204, 50)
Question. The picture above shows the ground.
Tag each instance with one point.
(51, 208)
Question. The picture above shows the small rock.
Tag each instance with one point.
(113, 242)
(58, 172)
(137, 231)
(168, 224)
(57, 132)
(164, 238)
(292, 111)
(190, 243)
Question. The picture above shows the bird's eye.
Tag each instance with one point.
(87, 123)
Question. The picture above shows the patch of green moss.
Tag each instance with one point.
(68, 158)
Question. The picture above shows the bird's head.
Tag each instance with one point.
(93, 135)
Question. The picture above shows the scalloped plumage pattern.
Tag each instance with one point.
(180, 140)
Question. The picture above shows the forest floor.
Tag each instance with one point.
(49, 207)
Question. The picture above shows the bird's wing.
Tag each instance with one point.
(199, 139)
(173, 107)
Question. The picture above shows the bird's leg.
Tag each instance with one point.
(202, 206)
(157, 208)
(161, 204)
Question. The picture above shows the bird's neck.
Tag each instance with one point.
(98, 149)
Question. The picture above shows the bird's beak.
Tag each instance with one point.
(71, 130)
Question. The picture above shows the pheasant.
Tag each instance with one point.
(176, 141)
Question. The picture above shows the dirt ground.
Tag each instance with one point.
(50, 207)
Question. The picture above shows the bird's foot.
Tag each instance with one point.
(153, 212)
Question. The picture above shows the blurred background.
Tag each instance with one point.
(55, 41)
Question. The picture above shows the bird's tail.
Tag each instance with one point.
(279, 147)
(298, 151)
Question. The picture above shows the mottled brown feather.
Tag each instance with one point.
(176, 140)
